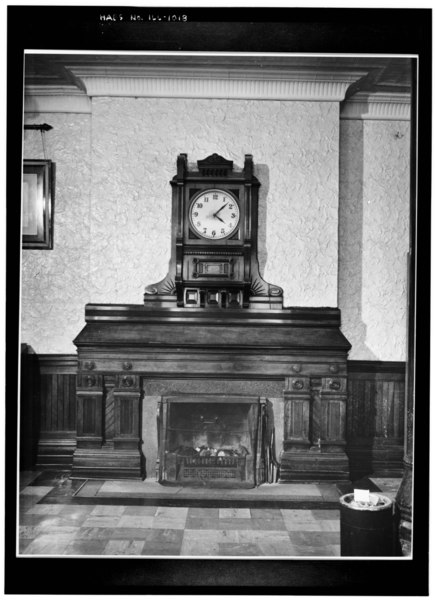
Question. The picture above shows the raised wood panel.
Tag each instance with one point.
(375, 408)
(375, 417)
(127, 411)
(58, 406)
(125, 417)
(334, 430)
(29, 406)
(89, 415)
(56, 403)
(297, 414)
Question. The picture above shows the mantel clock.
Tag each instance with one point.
(214, 260)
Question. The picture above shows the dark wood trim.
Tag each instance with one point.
(138, 313)
(376, 366)
(369, 454)
(375, 434)
(58, 363)
(53, 410)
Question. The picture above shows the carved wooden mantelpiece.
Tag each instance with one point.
(123, 346)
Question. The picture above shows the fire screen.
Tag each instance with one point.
(213, 441)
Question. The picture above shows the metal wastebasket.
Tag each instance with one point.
(366, 528)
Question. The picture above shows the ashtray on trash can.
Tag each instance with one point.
(366, 528)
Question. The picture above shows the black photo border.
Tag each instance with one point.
(259, 29)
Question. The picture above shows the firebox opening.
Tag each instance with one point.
(214, 442)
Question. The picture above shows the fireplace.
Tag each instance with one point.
(213, 440)
(189, 364)
(212, 323)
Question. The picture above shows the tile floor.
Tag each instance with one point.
(57, 518)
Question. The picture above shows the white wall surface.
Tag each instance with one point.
(113, 206)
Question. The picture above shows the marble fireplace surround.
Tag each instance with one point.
(130, 357)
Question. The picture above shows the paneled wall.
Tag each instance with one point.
(374, 428)
(375, 417)
(57, 406)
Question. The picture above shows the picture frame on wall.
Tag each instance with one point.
(38, 204)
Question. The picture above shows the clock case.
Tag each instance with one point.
(207, 273)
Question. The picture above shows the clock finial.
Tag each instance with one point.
(181, 166)
(248, 168)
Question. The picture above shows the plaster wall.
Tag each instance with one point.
(55, 283)
(113, 205)
(374, 237)
(135, 143)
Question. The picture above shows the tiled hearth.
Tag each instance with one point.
(60, 516)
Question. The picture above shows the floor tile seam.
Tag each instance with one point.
(143, 502)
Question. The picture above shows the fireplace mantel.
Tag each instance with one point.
(121, 346)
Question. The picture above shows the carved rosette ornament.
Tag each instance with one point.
(90, 380)
(334, 384)
(298, 384)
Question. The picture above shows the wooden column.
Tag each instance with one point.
(314, 430)
(297, 399)
(108, 425)
(333, 399)
(89, 410)
(126, 412)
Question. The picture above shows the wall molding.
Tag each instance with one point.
(376, 366)
(192, 82)
(58, 363)
(377, 106)
(68, 363)
(56, 99)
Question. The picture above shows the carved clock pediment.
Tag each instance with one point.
(214, 262)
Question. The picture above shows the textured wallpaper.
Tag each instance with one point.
(113, 205)
(135, 143)
(55, 283)
(373, 233)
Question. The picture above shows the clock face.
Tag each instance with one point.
(214, 214)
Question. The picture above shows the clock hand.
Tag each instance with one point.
(217, 212)
(221, 220)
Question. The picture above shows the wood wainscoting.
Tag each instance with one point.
(57, 406)
(374, 428)
(375, 418)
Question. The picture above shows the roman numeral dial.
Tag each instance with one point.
(214, 214)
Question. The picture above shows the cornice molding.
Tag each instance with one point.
(377, 106)
(248, 84)
(56, 99)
